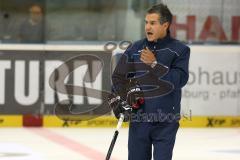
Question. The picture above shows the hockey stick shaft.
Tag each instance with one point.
(115, 137)
(112, 145)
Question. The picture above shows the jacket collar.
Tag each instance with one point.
(159, 41)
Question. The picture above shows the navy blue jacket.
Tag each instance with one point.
(170, 53)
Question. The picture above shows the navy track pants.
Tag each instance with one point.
(144, 135)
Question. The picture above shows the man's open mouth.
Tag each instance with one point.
(149, 33)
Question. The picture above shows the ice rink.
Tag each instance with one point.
(93, 143)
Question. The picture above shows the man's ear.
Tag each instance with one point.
(166, 25)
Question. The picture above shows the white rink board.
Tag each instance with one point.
(214, 82)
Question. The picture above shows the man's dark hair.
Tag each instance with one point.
(163, 12)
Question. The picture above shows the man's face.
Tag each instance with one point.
(36, 14)
(153, 29)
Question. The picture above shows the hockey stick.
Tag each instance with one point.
(120, 121)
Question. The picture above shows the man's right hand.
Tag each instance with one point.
(119, 106)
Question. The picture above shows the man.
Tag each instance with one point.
(158, 51)
(32, 30)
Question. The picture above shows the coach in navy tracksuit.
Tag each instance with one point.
(158, 50)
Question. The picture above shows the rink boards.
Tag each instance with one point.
(110, 121)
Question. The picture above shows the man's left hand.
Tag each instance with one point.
(147, 56)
